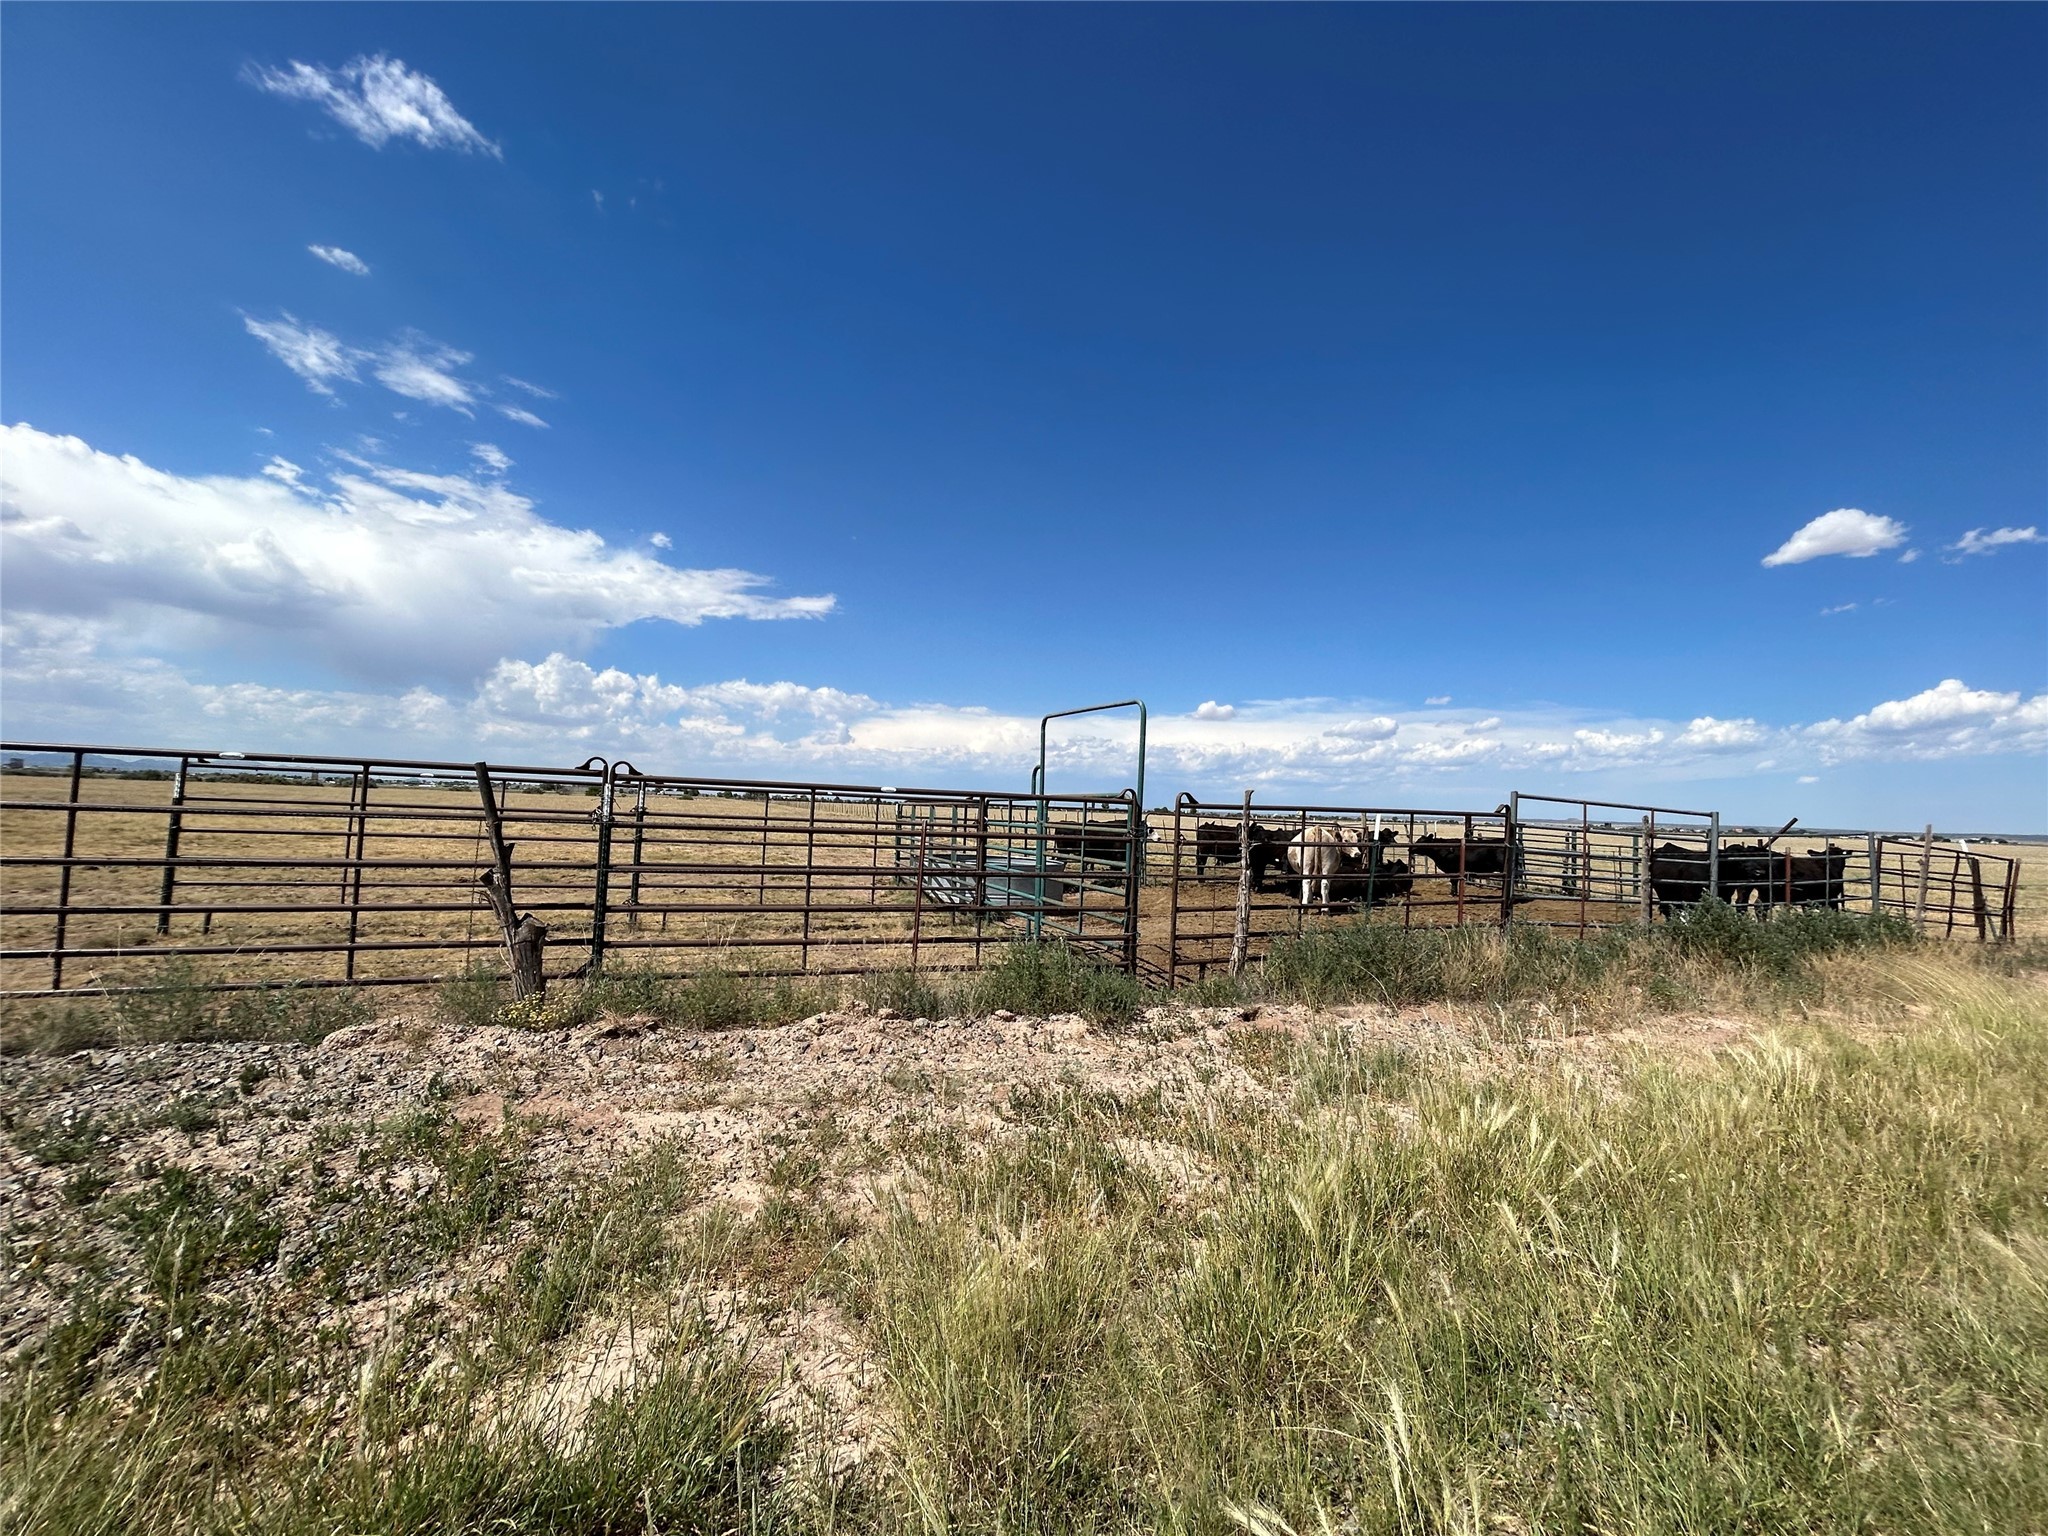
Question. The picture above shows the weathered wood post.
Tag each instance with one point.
(1926, 858)
(173, 830)
(1876, 856)
(1240, 934)
(1643, 874)
(527, 936)
(1978, 909)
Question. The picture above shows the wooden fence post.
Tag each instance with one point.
(525, 937)
(1643, 874)
(1926, 857)
(1240, 936)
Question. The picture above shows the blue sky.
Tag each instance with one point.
(829, 391)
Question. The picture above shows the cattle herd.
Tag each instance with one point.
(1748, 875)
(1347, 867)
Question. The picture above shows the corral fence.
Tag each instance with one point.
(120, 867)
(253, 870)
(1235, 885)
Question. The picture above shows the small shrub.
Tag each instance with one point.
(910, 993)
(473, 998)
(186, 1114)
(63, 1140)
(1053, 978)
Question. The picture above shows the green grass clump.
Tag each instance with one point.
(1714, 949)
(177, 1007)
(1053, 978)
(712, 999)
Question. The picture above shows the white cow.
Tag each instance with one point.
(1319, 854)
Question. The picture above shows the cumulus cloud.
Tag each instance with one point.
(383, 572)
(1950, 719)
(317, 356)
(378, 99)
(335, 256)
(660, 540)
(1980, 542)
(520, 414)
(1845, 531)
(68, 677)
(1711, 735)
(1209, 709)
(491, 456)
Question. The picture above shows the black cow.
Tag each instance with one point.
(1094, 842)
(1218, 840)
(1819, 877)
(1745, 871)
(1678, 876)
(1384, 880)
(1488, 856)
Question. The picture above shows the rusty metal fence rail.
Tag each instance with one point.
(120, 867)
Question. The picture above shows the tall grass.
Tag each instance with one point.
(1805, 1289)
(178, 1007)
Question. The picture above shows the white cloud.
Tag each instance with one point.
(1711, 735)
(1909, 557)
(1978, 542)
(532, 389)
(412, 365)
(1438, 698)
(1947, 701)
(421, 369)
(315, 355)
(283, 470)
(335, 256)
(1809, 778)
(597, 197)
(524, 417)
(1845, 531)
(378, 99)
(1838, 608)
(1210, 710)
(68, 678)
(1947, 720)
(385, 573)
(491, 456)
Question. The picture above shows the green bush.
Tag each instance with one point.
(1053, 978)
